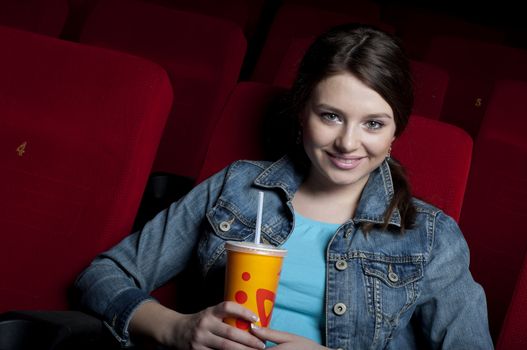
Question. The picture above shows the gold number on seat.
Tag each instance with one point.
(21, 149)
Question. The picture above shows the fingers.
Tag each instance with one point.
(235, 310)
(212, 332)
(228, 337)
(272, 335)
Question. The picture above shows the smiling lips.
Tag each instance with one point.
(345, 163)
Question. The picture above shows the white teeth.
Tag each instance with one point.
(347, 161)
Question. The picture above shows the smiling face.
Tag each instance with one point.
(347, 132)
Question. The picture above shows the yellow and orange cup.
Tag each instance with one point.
(251, 279)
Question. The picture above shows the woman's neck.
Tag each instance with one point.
(325, 202)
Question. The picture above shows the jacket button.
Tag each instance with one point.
(225, 226)
(340, 349)
(339, 309)
(392, 276)
(341, 265)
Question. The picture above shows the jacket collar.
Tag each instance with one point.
(374, 200)
(283, 174)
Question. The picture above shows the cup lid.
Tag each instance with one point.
(253, 248)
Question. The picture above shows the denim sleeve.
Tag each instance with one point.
(120, 279)
(452, 308)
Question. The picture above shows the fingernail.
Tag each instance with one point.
(254, 318)
(254, 326)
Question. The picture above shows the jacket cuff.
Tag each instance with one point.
(120, 311)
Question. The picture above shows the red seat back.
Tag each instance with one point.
(203, 56)
(238, 134)
(473, 67)
(39, 16)
(369, 10)
(495, 208)
(430, 87)
(295, 21)
(79, 128)
(437, 158)
(416, 25)
(244, 13)
(513, 335)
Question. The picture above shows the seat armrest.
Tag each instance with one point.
(53, 330)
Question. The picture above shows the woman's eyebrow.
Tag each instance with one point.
(379, 115)
(330, 108)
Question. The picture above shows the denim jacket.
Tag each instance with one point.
(383, 290)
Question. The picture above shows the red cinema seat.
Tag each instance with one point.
(39, 16)
(203, 56)
(513, 335)
(296, 21)
(416, 26)
(495, 208)
(238, 134)
(79, 127)
(473, 67)
(244, 13)
(430, 81)
(368, 10)
(437, 159)
(430, 87)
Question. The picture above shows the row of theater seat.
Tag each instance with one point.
(74, 194)
(455, 70)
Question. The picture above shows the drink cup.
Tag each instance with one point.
(251, 279)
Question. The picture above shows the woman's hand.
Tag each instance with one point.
(285, 341)
(206, 330)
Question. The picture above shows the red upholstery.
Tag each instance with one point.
(295, 21)
(79, 129)
(437, 158)
(495, 209)
(473, 67)
(513, 335)
(238, 134)
(365, 9)
(430, 81)
(203, 56)
(40, 16)
(416, 26)
(430, 87)
(245, 13)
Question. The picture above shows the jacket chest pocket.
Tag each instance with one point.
(391, 286)
(230, 224)
(224, 224)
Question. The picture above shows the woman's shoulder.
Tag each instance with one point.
(441, 228)
(425, 208)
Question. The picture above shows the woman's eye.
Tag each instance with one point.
(373, 124)
(330, 117)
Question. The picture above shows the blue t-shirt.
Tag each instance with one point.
(299, 303)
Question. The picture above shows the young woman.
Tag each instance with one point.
(368, 266)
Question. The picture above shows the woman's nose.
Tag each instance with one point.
(347, 140)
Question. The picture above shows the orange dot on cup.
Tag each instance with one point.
(246, 276)
(241, 324)
(240, 296)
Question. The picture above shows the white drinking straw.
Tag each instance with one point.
(259, 217)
